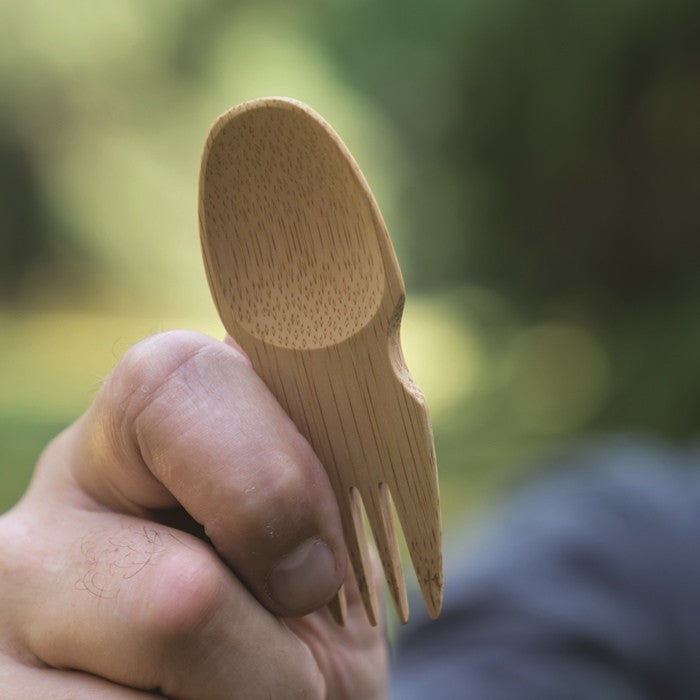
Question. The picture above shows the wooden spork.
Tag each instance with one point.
(305, 278)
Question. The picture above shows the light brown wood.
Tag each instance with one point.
(304, 276)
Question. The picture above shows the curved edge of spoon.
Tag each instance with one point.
(395, 285)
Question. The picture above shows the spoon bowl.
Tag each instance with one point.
(291, 284)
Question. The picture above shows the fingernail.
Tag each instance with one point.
(306, 578)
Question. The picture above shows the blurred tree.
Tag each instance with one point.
(35, 245)
(555, 144)
(548, 152)
(554, 158)
(25, 223)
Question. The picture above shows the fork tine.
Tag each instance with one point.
(359, 557)
(420, 521)
(381, 519)
(339, 607)
(304, 276)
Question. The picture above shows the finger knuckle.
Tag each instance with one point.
(145, 378)
(279, 500)
(188, 589)
(292, 471)
(149, 364)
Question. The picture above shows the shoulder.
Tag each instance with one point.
(585, 574)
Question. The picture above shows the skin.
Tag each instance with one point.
(181, 538)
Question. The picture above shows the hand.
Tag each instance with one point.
(166, 538)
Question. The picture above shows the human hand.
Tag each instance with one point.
(166, 539)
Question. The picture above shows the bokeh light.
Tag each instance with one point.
(558, 376)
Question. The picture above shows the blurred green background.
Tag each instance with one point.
(537, 162)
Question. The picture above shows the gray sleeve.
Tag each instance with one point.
(588, 588)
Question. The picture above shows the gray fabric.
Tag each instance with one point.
(587, 588)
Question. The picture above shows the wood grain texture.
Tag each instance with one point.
(304, 276)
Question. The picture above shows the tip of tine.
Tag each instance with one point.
(371, 611)
(402, 612)
(338, 607)
(432, 594)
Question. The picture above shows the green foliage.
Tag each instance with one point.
(555, 144)
(538, 162)
(22, 438)
(554, 159)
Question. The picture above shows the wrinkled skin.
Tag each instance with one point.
(181, 538)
